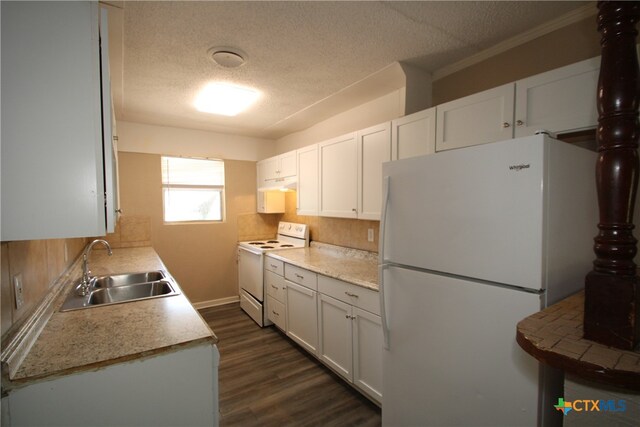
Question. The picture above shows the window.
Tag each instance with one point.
(192, 189)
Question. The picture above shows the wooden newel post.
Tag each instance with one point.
(612, 289)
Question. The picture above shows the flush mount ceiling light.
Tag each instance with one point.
(225, 99)
(227, 57)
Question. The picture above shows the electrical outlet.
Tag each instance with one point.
(370, 235)
(17, 290)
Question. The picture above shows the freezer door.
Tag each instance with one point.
(453, 359)
(474, 212)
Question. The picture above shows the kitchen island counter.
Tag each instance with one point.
(96, 337)
(350, 265)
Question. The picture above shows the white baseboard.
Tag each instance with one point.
(215, 302)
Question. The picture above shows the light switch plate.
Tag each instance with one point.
(17, 290)
(370, 235)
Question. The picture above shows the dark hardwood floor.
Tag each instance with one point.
(267, 380)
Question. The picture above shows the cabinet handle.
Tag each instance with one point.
(519, 122)
(299, 276)
(276, 313)
(274, 266)
(354, 210)
(349, 317)
(119, 210)
(350, 294)
(505, 125)
(274, 287)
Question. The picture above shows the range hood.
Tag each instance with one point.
(281, 184)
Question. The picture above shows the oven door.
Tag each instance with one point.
(250, 272)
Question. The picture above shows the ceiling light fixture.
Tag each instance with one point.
(225, 99)
(227, 57)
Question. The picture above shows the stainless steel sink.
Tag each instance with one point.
(128, 279)
(130, 292)
(121, 288)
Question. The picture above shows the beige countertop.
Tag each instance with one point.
(350, 265)
(91, 338)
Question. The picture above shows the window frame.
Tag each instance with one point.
(220, 188)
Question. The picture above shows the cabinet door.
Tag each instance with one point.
(476, 119)
(287, 165)
(560, 100)
(52, 148)
(308, 184)
(110, 151)
(276, 312)
(414, 135)
(270, 168)
(335, 335)
(374, 148)
(367, 353)
(302, 316)
(261, 173)
(339, 177)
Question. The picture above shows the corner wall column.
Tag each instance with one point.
(612, 289)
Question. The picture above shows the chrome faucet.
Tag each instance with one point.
(83, 288)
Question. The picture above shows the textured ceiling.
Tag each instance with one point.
(298, 53)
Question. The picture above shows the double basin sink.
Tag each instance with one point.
(121, 288)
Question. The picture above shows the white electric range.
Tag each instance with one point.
(251, 266)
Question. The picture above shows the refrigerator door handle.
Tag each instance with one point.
(381, 265)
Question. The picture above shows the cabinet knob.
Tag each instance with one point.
(354, 210)
(519, 122)
(505, 125)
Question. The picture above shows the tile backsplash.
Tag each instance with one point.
(351, 233)
(39, 263)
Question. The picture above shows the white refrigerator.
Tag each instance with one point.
(472, 241)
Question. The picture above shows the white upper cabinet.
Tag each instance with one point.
(476, 119)
(339, 176)
(53, 140)
(275, 169)
(414, 135)
(374, 148)
(559, 100)
(308, 180)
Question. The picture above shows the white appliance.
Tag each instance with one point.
(251, 266)
(473, 241)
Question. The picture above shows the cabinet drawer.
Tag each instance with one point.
(301, 276)
(274, 285)
(358, 296)
(276, 312)
(274, 265)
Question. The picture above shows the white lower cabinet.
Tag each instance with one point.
(124, 394)
(336, 335)
(302, 307)
(302, 316)
(336, 321)
(367, 353)
(350, 336)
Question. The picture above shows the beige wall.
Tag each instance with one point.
(385, 108)
(202, 257)
(562, 47)
(144, 138)
(40, 262)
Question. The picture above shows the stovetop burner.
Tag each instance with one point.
(272, 241)
(286, 246)
(256, 243)
(266, 247)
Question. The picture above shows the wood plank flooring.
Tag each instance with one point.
(267, 380)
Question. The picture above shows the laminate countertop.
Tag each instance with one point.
(91, 338)
(349, 265)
